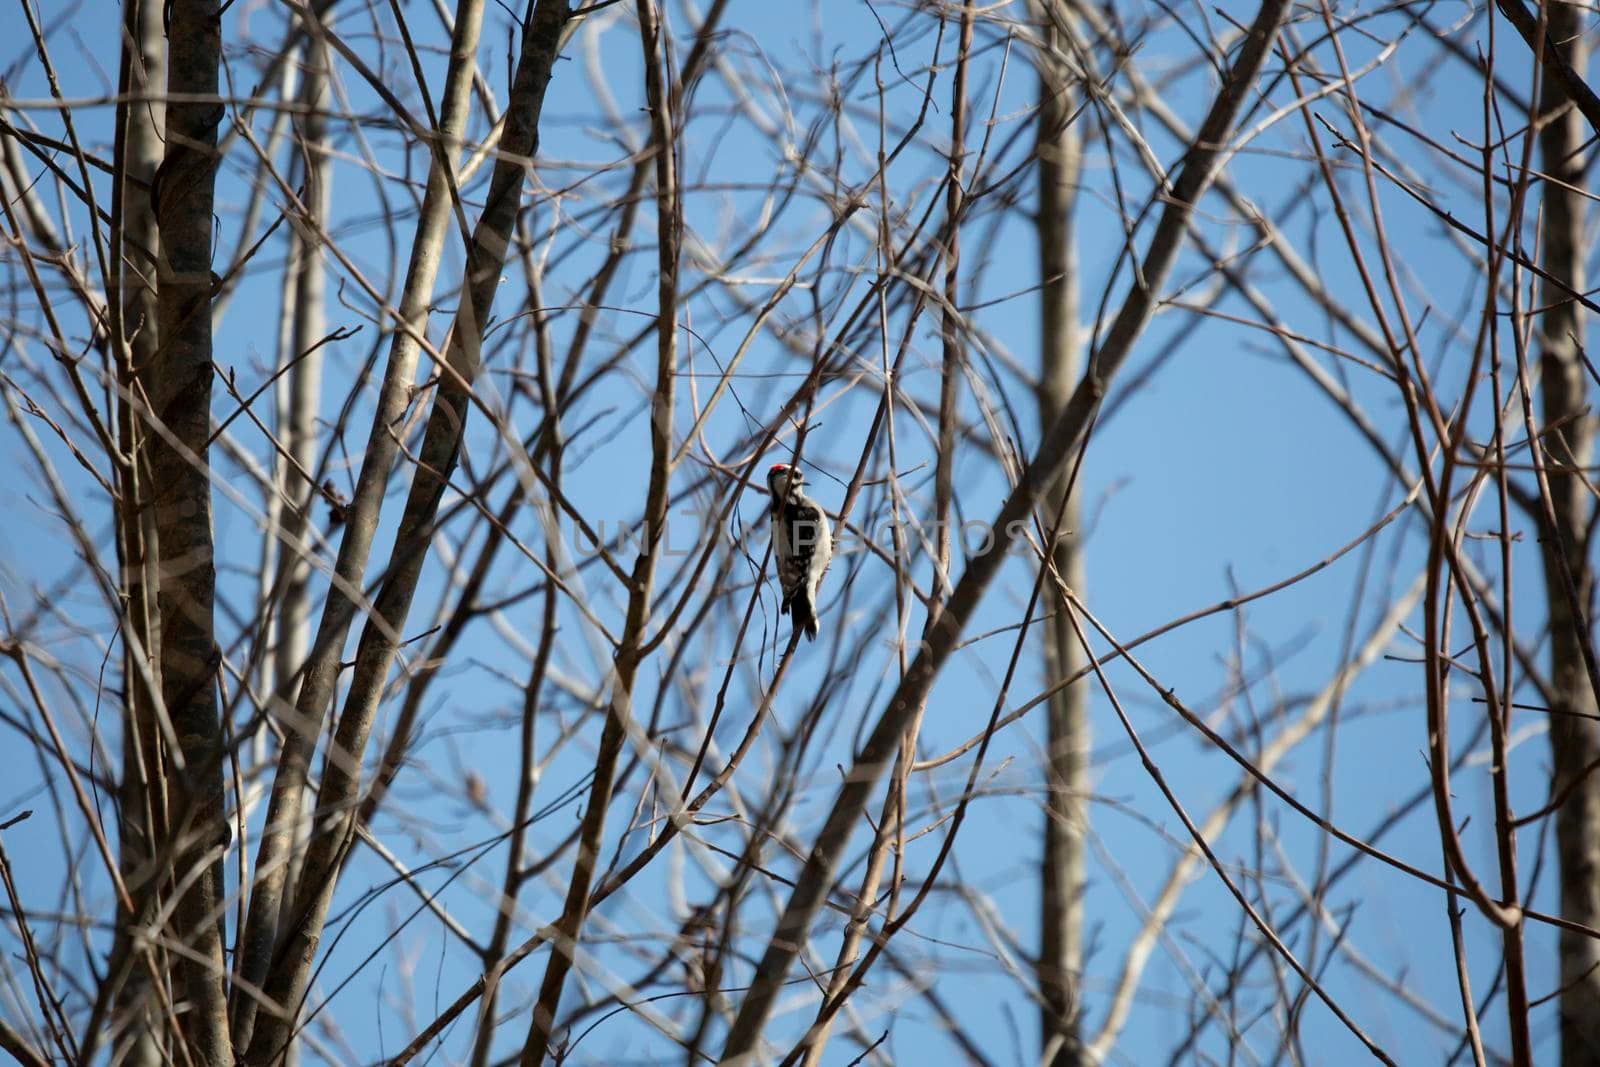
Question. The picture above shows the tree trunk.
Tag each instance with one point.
(300, 394)
(134, 344)
(1574, 740)
(1067, 729)
(179, 445)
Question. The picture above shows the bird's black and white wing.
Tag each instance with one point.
(803, 544)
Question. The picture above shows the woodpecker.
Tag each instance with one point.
(802, 542)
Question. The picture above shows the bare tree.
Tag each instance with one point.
(389, 660)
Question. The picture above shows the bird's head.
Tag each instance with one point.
(783, 479)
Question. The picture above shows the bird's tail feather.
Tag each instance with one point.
(805, 617)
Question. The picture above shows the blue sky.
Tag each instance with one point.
(1226, 471)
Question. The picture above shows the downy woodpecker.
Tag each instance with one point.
(802, 542)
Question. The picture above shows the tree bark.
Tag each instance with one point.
(300, 395)
(134, 344)
(1574, 739)
(1061, 868)
(180, 398)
